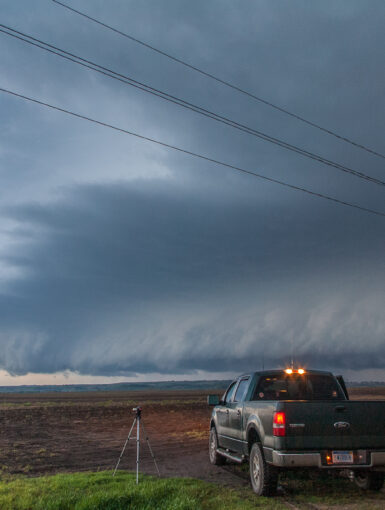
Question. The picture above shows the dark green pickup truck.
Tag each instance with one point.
(293, 418)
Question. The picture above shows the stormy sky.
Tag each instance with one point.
(121, 259)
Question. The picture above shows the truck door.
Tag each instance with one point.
(235, 430)
(223, 416)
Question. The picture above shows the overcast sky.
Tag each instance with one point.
(124, 260)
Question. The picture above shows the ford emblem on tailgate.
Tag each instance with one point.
(342, 425)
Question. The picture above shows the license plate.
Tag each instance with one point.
(342, 457)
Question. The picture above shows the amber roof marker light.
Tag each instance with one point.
(300, 371)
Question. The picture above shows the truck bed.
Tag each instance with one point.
(344, 425)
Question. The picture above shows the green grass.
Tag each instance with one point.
(324, 490)
(328, 490)
(100, 491)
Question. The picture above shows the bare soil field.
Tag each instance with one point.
(64, 432)
(58, 432)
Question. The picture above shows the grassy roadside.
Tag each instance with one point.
(99, 491)
(324, 491)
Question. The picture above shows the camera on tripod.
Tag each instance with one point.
(139, 424)
(138, 411)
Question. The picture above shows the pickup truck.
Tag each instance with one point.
(296, 418)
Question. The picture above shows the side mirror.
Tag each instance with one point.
(213, 400)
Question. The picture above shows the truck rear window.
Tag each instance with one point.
(298, 387)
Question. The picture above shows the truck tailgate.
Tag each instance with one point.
(339, 425)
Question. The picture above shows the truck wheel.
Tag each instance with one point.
(215, 457)
(263, 476)
(369, 480)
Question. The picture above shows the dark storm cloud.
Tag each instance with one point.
(160, 278)
(119, 257)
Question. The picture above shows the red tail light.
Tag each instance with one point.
(279, 424)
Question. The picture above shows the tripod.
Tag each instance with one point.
(138, 421)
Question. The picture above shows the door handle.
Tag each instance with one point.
(339, 409)
(239, 412)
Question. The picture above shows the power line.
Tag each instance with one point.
(223, 82)
(193, 154)
(181, 102)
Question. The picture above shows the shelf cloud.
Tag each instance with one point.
(158, 278)
(122, 258)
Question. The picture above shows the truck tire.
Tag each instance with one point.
(263, 476)
(215, 457)
(369, 480)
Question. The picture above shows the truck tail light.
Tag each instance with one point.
(279, 424)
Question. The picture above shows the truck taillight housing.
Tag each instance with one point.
(279, 424)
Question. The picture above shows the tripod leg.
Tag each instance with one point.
(149, 447)
(124, 447)
(137, 449)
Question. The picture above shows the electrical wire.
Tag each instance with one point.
(223, 82)
(180, 102)
(194, 154)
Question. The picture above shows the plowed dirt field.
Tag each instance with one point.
(50, 433)
(63, 432)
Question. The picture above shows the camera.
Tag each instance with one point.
(138, 411)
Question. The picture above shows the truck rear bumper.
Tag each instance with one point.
(313, 459)
(282, 459)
